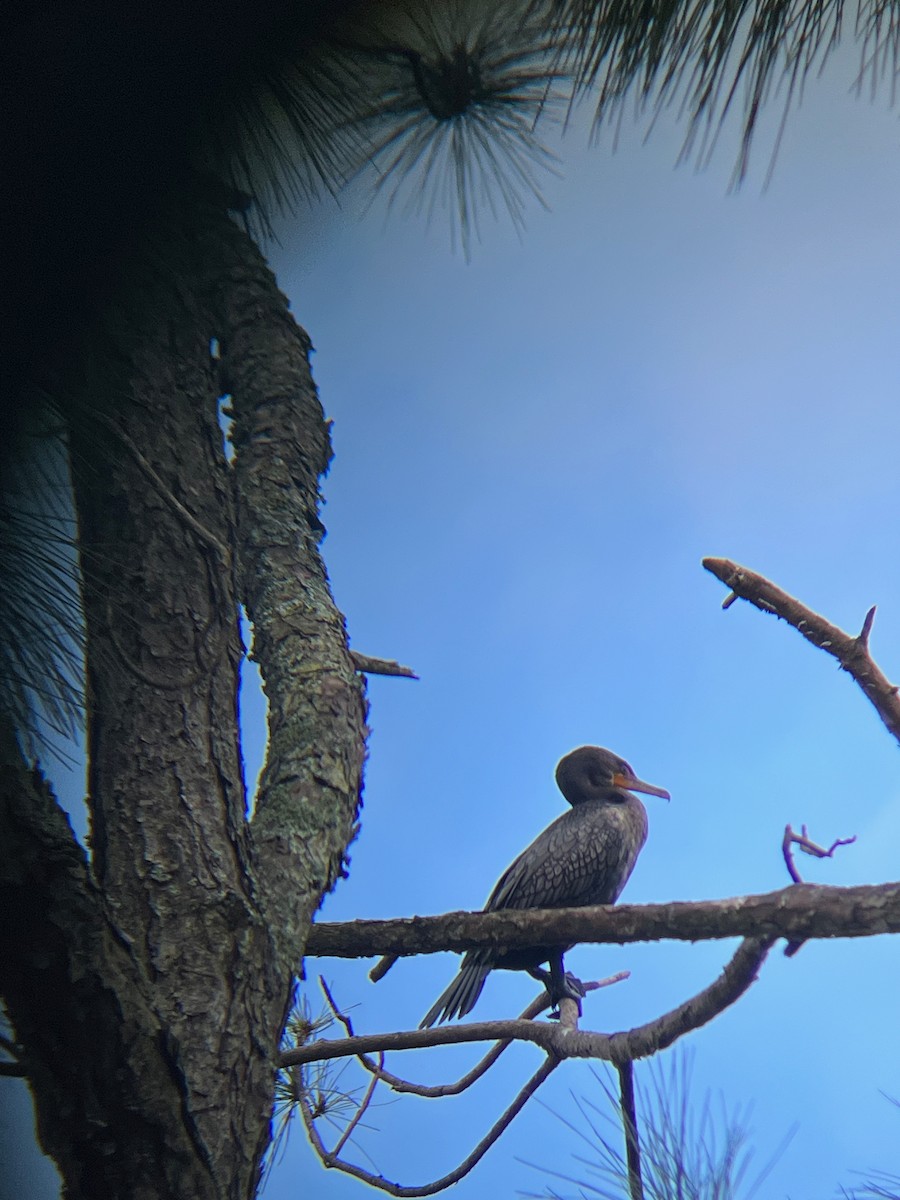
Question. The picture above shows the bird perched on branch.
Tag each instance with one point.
(584, 857)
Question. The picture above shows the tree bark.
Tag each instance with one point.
(165, 794)
(311, 788)
(802, 910)
(150, 982)
(97, 1058)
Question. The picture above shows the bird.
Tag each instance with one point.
(583, 857)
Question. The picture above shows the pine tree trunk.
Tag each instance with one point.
(150, 983)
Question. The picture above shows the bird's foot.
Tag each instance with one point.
(570, 988)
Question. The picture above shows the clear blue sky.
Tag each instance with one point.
(533, 452)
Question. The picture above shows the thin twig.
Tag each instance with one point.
(380, 666)
(851, 652)
(438, 1185)
(808, 847)
(630, 1127)
(13, 1070)
(363, 1105)
(439, 1090)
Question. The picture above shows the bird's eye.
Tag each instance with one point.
(626, 769)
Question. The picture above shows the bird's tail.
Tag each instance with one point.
(460, 996)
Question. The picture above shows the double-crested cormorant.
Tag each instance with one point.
(584, 857)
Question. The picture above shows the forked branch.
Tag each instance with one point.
(852, 653)
(808, 847)
(329, 1159)
(640, 1042)
(558, 1041)
(439, 1090)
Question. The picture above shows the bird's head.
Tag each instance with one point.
(591, 773)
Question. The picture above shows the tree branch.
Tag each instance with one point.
(429, 1189)
(800, 911)
(852, 653)
(309, 794)
(640, 1042)
(630, 1128)
(380, 666)
(438, 1090)
(808, 847)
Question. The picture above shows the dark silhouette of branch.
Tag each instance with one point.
(363, 1105)
(437, 1090)
(851, 652)
(558, 1041)
(630, 1127)
(808, 847)
(801, 911)
(329, 1159)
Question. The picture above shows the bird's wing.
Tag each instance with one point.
(574, 861)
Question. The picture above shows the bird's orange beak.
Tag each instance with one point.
(638, 785)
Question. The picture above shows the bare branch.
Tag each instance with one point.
(800, 911)
(380, 666)
(382, 967)
(640, 1042)
(454, 1176)
(437, 1090)
(739, 973)
(808, 847)
(13, 1069)
(363, 1105)
(630, 1127)
(852, 653)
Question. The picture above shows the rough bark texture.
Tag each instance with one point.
(165, 790)
(99, 1063)
(310, 792)
(150, 983)
(804, 910)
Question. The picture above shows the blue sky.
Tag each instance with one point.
(533, 452)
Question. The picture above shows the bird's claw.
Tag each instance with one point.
(571, 988)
